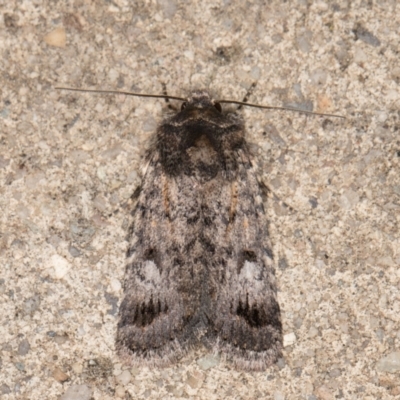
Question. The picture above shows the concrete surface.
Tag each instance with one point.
(70, 161)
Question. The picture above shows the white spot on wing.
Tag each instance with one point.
(151, 272)
(250, 271)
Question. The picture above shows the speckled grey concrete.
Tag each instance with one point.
(70, 161)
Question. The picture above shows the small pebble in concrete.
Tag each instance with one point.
(77, 392)
(389, 363)
(208, 361)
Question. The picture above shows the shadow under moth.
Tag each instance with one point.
(199, 263)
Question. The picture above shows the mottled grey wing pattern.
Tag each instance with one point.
(200, 264)
(159, 315)
(246, 314)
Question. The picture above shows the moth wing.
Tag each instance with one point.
(245, 311)
(158, 315)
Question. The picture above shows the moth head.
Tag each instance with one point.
(217, 106)
(201, 99)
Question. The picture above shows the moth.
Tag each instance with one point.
(199, 262)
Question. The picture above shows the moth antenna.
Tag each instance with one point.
(242, 103)
(168, 97)
(157, 96)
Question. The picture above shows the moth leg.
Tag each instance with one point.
(248, 94)
(165, 93)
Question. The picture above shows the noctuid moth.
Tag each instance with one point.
(199, 263)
